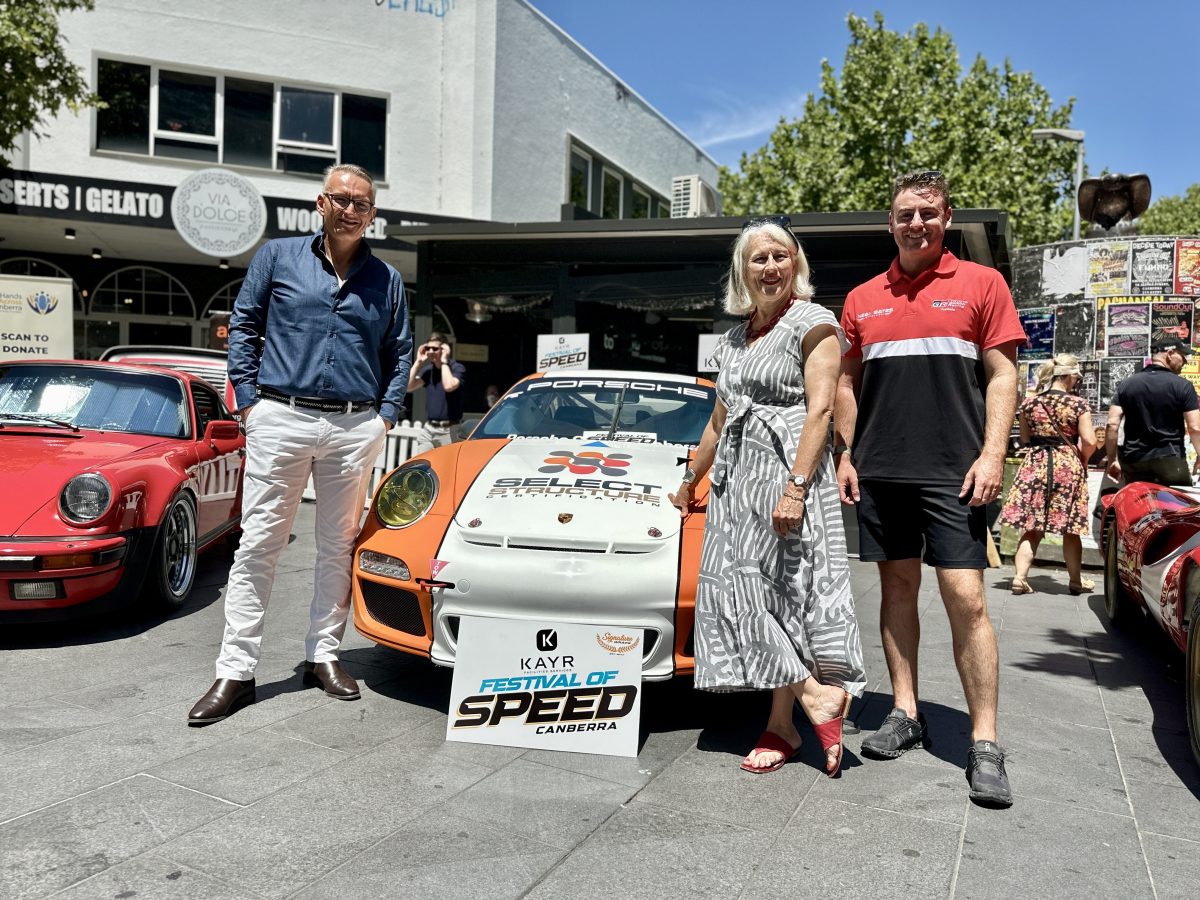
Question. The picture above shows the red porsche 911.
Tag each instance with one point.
(113, 478)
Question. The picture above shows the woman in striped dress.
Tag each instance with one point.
(773, 604)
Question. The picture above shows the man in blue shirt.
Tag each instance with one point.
(442, 378)
(319, 356)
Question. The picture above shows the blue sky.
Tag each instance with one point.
(725, 72)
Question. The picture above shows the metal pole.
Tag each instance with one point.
(1078, 182)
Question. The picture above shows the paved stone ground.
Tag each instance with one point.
(104, 791)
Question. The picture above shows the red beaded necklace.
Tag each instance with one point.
(753, 333)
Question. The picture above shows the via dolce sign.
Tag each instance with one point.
(219, 213)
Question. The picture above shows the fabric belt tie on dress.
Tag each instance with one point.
(441, 423)
(318, 404)
(1047, 441)
(735, 425)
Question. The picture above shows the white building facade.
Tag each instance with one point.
(461, 109)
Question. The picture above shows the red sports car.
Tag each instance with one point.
(1152, 565)
(113, 478)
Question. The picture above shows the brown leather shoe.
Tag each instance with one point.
(333, 678)
(223, 699)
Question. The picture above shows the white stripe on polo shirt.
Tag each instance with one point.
(926, 346)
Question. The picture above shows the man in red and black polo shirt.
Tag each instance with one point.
(926, 400)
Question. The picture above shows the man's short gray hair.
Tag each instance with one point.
(350, 169)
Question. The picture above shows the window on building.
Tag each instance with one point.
(662, 208)
(124, 123)
(210, 118)
(610, 199)
(141, 290)
(581, 181)
(249, 107)
(641, 204)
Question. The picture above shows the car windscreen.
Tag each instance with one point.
(93, 397)
(635, 410)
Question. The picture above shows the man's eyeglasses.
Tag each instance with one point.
(341, 201)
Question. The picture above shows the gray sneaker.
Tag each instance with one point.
(896, 736)
(986, 775)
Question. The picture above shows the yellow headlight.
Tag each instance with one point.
(406, 495)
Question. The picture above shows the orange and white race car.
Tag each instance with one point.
(554, 509)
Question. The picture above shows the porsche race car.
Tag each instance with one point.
(554, 509)
(1151, 539)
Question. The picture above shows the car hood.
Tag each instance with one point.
(575, 494)
(34, 466)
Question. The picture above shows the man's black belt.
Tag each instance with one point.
(318, 404)
(441, 423)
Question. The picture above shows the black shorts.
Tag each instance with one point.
(897, 520)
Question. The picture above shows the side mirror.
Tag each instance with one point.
(222, 430)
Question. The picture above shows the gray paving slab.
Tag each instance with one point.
(1038, 849)
(151, 877)
(647, 851)
(441, 856)
(55, 847)
(554, 806)
(837, 849)
(1166, 809)
(1174, 865)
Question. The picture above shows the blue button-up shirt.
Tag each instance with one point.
(348, 343)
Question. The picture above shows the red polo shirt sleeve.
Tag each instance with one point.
(850, 327)
(999, 323)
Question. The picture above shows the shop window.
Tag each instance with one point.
(141, 290)
(641, 205)
(610, 198)
(581, 181)
(222, 301)
(124, 123)
(39, 268)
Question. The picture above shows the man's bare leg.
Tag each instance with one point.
(900, 580)
(975, 651)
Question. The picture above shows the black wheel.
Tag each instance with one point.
(1117, 604)
(173, 565)
(1192, 688)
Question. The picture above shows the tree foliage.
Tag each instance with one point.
(1173, 215)
(902, 102)
(36, 77)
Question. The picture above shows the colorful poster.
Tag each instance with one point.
(1171, 320)
(1153, 268)
(1074, 327)
(1191, 371)
(1039, 329)
(1108, 268)
(1128, 329)
(1112, 373)
(1027, 378)
(1089, 388)
(1187, 267)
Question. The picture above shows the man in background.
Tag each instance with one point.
(1156, 404)
(442, 377)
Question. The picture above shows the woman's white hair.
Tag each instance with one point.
(738, 301)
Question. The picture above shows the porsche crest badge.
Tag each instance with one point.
(565, 518)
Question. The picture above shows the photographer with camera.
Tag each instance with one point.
(441, 377)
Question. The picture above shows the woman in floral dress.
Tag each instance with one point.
(1049, 493)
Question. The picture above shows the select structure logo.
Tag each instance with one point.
(586, 462)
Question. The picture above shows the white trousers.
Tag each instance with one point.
(284, 446)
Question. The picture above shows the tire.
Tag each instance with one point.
(1118, 605)
(173, 563)
(1192, 688)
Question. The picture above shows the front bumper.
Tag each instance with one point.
(620, 590)
(49, 579)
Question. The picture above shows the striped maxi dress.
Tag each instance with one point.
(771, 611)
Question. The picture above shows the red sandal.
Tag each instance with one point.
(770, 742)
(830, 735)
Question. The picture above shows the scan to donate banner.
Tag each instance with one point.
(36, 318)
(547, 686)
(562, 351)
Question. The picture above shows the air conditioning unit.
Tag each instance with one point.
(690, 197)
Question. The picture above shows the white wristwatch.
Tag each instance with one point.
(689, 476)
(798, 481)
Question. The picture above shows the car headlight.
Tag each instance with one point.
(406, 495)
(85, 498)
